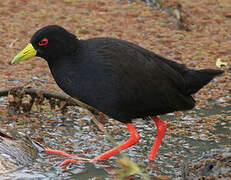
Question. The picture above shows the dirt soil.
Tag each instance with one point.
(194, 32)
(208, 38)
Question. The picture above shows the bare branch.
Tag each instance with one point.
(35, 92)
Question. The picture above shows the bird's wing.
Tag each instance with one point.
(145, 81)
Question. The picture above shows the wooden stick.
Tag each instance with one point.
(49, 94)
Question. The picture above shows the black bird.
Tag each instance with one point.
(118, 78)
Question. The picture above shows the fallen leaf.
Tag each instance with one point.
(221, 63)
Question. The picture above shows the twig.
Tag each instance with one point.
(90, 111)
(50, 94)
(12, 43)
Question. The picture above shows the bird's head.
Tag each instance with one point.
(48, 42)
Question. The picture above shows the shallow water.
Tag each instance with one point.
(189, 136)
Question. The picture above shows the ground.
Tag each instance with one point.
(197, 39)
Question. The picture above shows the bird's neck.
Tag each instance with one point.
(70, 49)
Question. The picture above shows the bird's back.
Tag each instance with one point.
(126, 81)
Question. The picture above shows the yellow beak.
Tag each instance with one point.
(26, 53)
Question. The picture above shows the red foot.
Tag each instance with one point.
(134, 138)
(52, 151)
(161, 128)
(68, 161)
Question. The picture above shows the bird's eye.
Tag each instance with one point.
(43, 42)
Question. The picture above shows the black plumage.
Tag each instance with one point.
(117, 77)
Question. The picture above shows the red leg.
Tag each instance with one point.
(161, 128)
(134, 138)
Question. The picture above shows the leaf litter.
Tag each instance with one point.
(205, 37)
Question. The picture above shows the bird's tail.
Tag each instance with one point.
(196, 79)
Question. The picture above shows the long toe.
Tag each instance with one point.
(68, 161)
(62, 153)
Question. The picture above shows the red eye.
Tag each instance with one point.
(43, 42)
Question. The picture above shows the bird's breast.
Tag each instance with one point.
(89, 85)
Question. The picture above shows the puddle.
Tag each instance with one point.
(188, 137)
